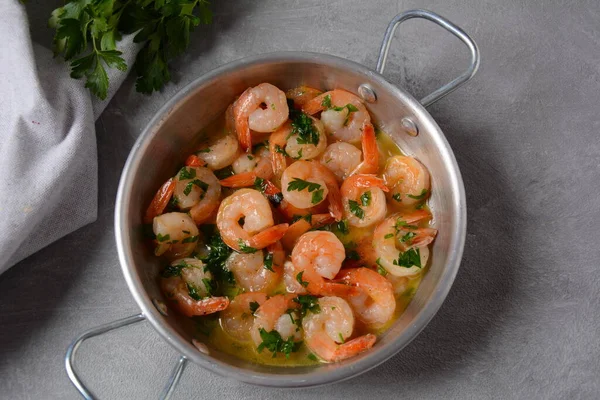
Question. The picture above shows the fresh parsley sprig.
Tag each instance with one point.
(87, 32)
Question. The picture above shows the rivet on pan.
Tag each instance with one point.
(367, 93)
(202, 348)
(409, 126)
(161, 307)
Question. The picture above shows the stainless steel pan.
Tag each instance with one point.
(167, 139)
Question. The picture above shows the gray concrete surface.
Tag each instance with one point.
(522, 318)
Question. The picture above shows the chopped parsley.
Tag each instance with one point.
(207, 150)
(259, 184)
(208, 285)
(408, 237)
(173, 270)
(382, 271)
(253, 306)
(273, 342)
(196, 182)
(409, 258)
(280, 150)
(244, 248)
(299, 279)
(341, 338)
(419, 196)
(190, 239)
(326, 102)
(343, 227)
(312, 357)
(163, 238)
(185, 173)
(224, 173)
(401, 224)
(389, 235)
(365, 198)
(268, 264)
(218, 252)
(302, 125)
(193, 292)
(317, 196)
(396, 196)
(307, 303)
(307, 218)
(355, 209)
(300, 184)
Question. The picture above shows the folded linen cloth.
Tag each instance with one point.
(49, 183)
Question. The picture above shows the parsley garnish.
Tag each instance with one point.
(382, 271)
(206, 150)
(244, 248)
(259, 184)
(308, 303)
(193, 292)
(302, 125)
(90, 30)
(224, 173)
(197, 182)
(218, 252)
(163, 238)
(400, 224)
(326, 102)
(190, 239)
(299, 279)
(312, 357)
(173, 270)
(341, 338)
(307, 218)
(389, 235)
(300, 184)
(268, 264)
(407, 237)
(273, 342)
(343, 227)
(253, 306)
(208, 285)
(365, 198)
(317, 196)
(420, 196)
(185, 173)
(355, 209)
(280, 150)
(409, 258)
(396, 197)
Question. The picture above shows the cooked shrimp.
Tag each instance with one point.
(317, 258)
(297, 148)
(259, 271)
(160, 201)
(407, 179)
(307, 183)
(393, 245)
(341, 158)
(248, 167)
(302, 226)
(190, 293)
(198, 190)
(370, 151)
(363, 199)
(238, 318)
(257, 230)
(249, 115)
(176, 235)
(277, 143)
(273, 315)
(373, 300)
(302, 94)
(343, 114)
(220, 153)
(325, 333)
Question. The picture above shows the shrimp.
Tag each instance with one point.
(325, 333)
(370, 151)
(176, 235)
(302, 94)
(341, 158)
(373, 300)
(408, 180)
(307, 183)
(256, 231)
(249, 115)
(220, 153)
(343, 116)
(190, 292)
(249, 167)
(160, 201)
(273, 315)
(317, 259)
(298, 148)
(302, 226)
(277, 143)
(398, 244)
(198, 190)
(238, 318)
(257, 271)
(363, 199)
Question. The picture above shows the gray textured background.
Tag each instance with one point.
(522, 318)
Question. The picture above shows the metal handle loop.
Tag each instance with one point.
(450, 27)
(72, 350)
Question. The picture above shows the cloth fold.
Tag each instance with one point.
(49, 180)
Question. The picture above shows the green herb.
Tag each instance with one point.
(218, 252)
(300, 184)
(173, 270)
(317, 196)
(420, 206)
(186, 232)
(307, 303)
(173, 202)
(407, 237)
(420, 196)
(409, 258)
(400, 224)
(299, 156)
(224, 173)
(207, 150)
(352, 255)
(208, 285)
(163, 238)
(196, 182)
(341, 338)
(254, 306)
(259, 184)
(273, 342)
(280, 150)
(299, 279)
(382, 271)
(185, 173)
(355, 209)
(190, 239)
(268, 264)
(389, 235)
(244, 248)
(312, 357)
(343, 227)
(289, 312)
(302, 125)
(193, 292)
(396, 196)
(273, 106)
(326, 102)
(365, 198)
(90, 30)
(307, 218)
(257, 146)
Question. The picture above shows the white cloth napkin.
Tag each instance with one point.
(48, 179)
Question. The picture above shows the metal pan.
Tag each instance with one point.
(167, 140)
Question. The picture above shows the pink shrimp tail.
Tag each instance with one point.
(354, 347)
(241, 120)
(370, 151)
(268, 236)
(160, 201)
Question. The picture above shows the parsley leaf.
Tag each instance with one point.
(196, 182)
(218, 252)
(317, 196)
(382, 271)
(268, 263)
(396, 196)
(326, 102)
(389, 235)
(302, 125)
(163, 238)
(190, 239)
(299, 279)
(185, 173)
(300, 184)
(343, 227)
(312, 357)
(408, 237)
(193, 292)
(365, 198)
(420, 196)
(409, 258)
(307, 303)
(355, 209)
(244, 248)
(273, 342)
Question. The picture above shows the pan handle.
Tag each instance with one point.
(72, 350)
(450, 27)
